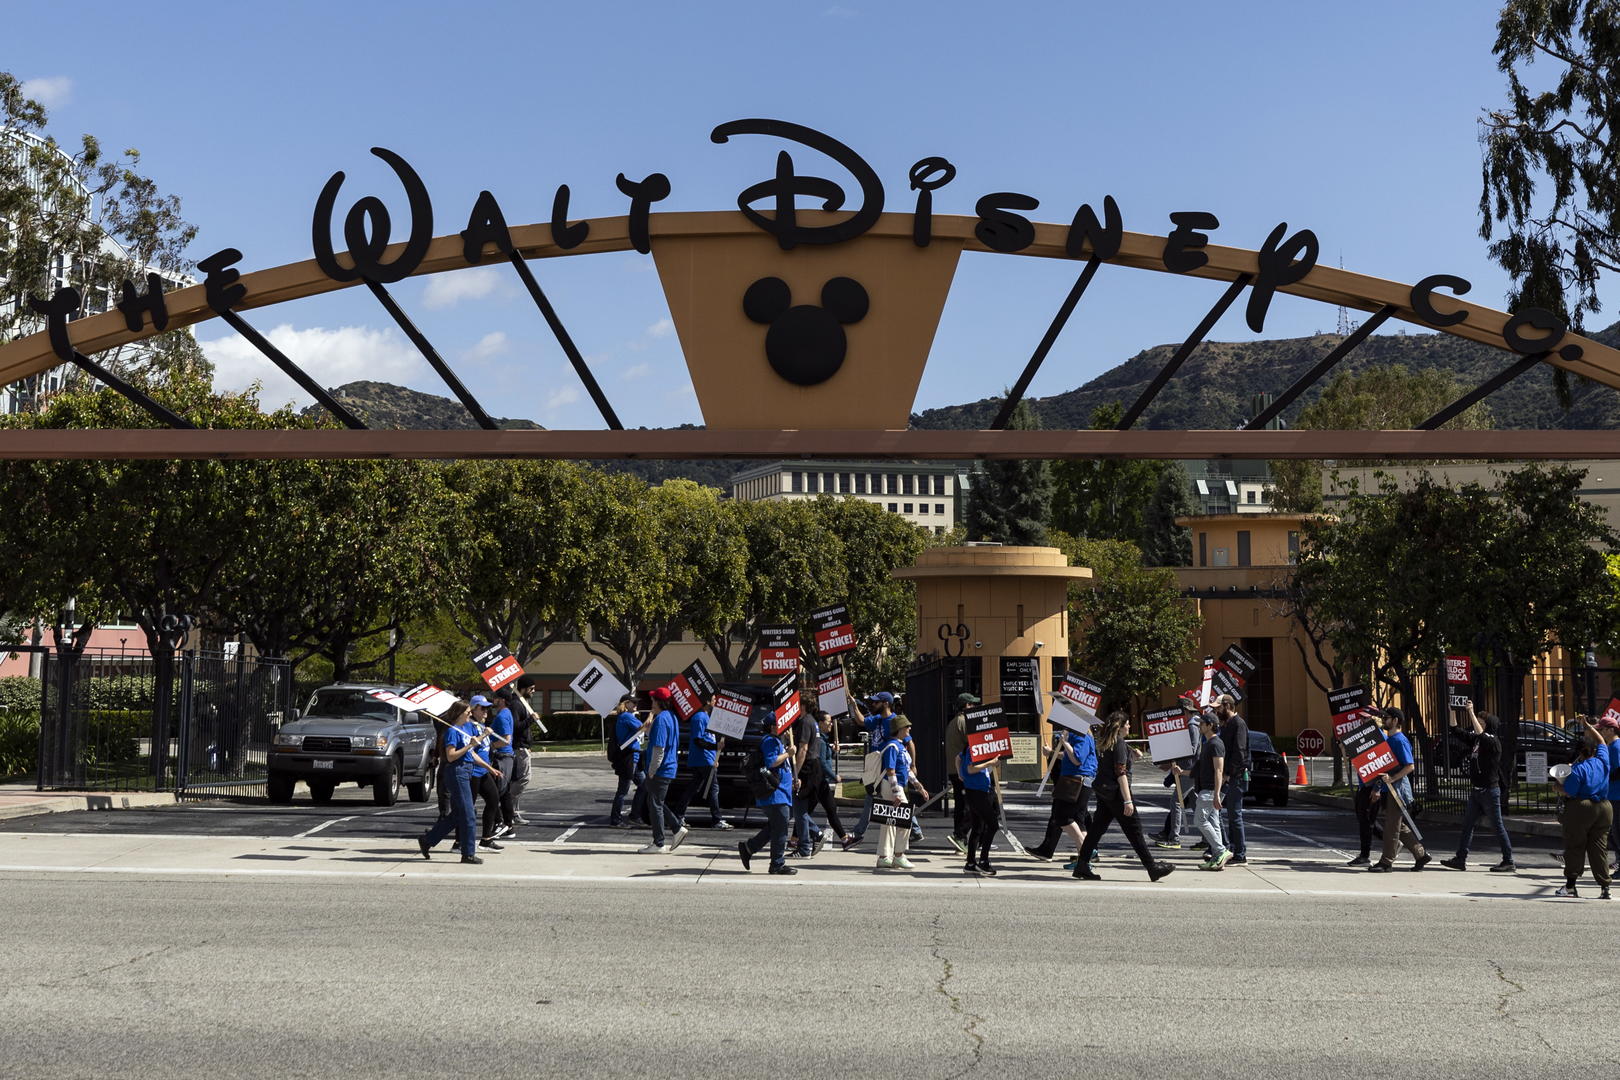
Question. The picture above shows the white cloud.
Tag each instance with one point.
(636, 371)
(51, 91)
(449, 289)
(489, 346)
(561, 398)
(660, 329)
(839, 11)
(331, 358)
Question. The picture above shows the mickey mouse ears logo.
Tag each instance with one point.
(806, 344)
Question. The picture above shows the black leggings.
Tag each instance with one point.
(984, 818)
(821, 795)
(1364, 817)
(1111, 808)
(487, 788)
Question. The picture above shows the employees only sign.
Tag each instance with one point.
(833, 630)
(1169, 734)
(497, 665)
(1076, 702)
(987, 735)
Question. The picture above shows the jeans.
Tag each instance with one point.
(866, 816)
(1209, 823)
(1232, 799)
(522, 771)
(1175, 820)
(775, 831)
(1487, 802)
(657, 789)
(460, 820)
(626, 774)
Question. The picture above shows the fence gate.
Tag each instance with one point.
(99, 731)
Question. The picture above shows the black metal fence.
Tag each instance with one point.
(102, 728)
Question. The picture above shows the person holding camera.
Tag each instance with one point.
(1483, 765)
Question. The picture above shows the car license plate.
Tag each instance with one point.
(323, 764)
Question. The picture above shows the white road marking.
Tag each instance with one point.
(571, 830)
(1247, 824)
(332, 821)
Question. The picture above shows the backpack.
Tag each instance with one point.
(761, 777)
(615, 752)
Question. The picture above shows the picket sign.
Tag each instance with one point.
(1169, 734)
(1348, 707)
(1459, 672)
(497, 665)
(598, 688)
(833, 630)
(778, 649)
(884, 813)
(1075, 704)
(423, 697)
(987, 736)
(832, 691)
(728, 714)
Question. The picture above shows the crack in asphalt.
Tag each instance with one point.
(947, 971)
(1502, 1007)
(110, 967)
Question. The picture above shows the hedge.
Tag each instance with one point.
(20, 694)
(19, 743)
(570, 727)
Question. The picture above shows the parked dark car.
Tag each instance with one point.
(1535, 737)
(1268, 771)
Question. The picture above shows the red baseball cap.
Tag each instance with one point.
(659, 693)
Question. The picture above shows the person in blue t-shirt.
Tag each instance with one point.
(983, 816)
(1587, 814)
(896, 780)
(457, 742)
(484, 775)
(498, 816)
(663, 742)
(878, 727)
(702, 757)
(627, 764)
(1610, 729)
(778, 807)
(1398, 781)
(1076, 769)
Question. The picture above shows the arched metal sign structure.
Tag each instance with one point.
(805, 331)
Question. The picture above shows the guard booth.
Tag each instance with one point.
(932, 686)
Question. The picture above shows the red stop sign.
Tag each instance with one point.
(1310, 742)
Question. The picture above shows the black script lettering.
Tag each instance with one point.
(1424, 306)
(1086, 231)
(62, 304)
(564, 235)
(221, 286)
(927, 176)
(1182, 247)
(786, 186)
(485, 225)
(1538, 319)
(366, 228)
(136, 306)
(642, 195)
(1279, 266)
(999, 228)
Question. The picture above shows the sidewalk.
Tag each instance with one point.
(1517, 824)
(21, 800)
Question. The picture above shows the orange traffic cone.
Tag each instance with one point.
(1300, 779)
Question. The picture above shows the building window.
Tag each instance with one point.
(563, 701)
(860, 483)
(939, 508)
(1293, 545)
(1203, 549)
(1243, 547)
(893, 480)
(908, 508)
(813, 483)
(828, 484)
(939, 485)
(922, 508)
(1252, 496)
(939, 530)
(843, 483)
(1223, 557)
(798, 483)
(894, 508)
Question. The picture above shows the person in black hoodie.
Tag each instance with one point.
(1114, 800)
(1484, 763)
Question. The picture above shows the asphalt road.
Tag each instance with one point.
(229, 940)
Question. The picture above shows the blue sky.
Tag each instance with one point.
(1356, 121)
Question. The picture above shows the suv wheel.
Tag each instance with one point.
(320, 791)
(279, 787)
(422, 790)
(385, 789)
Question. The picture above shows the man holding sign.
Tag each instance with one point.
(1398, 794)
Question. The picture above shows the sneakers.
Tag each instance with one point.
(618, 825)
(723, 825)
(817, 844)
(1455, 862)
(971, 868)
(783, 869)
(986, 869)
(1072, 863)
(1217, 863)
(421, 842)
(1604, 895)
(744, 854)
(1086, 875)
(472, 859)
(488, 844)
(1380, 867)
(959, 844)
(1422, 860)
(679, 838)
(654, 849)
(1172, 845)
(903, 863)
(885, 864)
(1505, 867)
(504, 831)
(1359, 860)
(520, 819)
(1239, 860)
(1035, 852)
(1160, 871)
(1568, 892)
(849, 841)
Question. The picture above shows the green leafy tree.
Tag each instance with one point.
(1551, 170)
(1165, 543)
(1379, 398)
(1104, 499)
(1010, 501)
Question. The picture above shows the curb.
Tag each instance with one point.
(33, 803)
(1515, 826)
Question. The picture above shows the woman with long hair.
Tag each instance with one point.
(1114, 800)
(459, 738)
